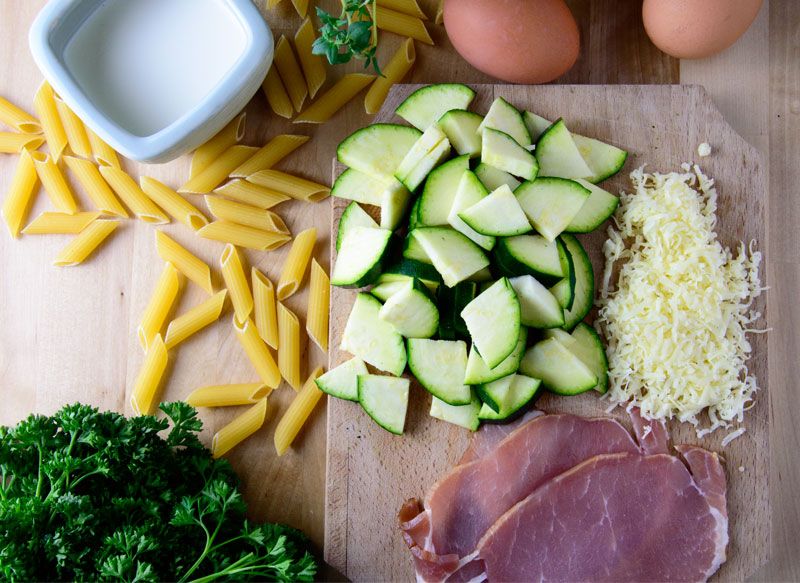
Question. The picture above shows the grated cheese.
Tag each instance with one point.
(676, 323)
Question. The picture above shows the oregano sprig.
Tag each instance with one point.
(350, 35)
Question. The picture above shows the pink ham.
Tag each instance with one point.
(485, 440)
(619, 517)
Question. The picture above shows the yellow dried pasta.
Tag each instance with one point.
(319, 300)
(83, 245)
(273, 152)
(202, 315)
(298, 413)
(290, 185)
(239, 429)
(236, 282)
(294, 268)
(335, 98)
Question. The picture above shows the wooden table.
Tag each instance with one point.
(68, 334)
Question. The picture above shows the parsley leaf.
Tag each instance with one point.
(350, 35)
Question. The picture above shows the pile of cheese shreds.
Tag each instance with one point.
(676, 323)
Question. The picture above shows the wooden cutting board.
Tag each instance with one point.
(371, 472)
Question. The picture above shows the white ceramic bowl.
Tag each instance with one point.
(60, 20)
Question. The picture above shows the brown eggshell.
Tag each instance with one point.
(519, 41)
(694, 29)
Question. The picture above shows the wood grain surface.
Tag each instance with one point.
(68, 334)
(371, 472)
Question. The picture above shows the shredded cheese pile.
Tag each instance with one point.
(676, 323)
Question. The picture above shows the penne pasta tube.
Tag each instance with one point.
(146, 389)
(244, 214)
(273, 3)
(126, 188)
(173, 203)
(335, 98)
(161, 303)
(243, 236)
(96, 187)
(319, 301)
(191, 266)
(265, 310)
(236, 282)
(229, 136)
(290, 72)
(14, 143)
(76, 132)
(276, 94)
(257, 352)
(293, 186)
(228, 395)
(103, 154)
(44, 103)
(54, 183)
(402, 24)
(276, 150)
(313, 65)
(301, 6)
(409, 7)
(218, 170)
(289, 346)
(298, 413)
(252, 194)
(195, 319)
(60, 223)
(439, 13)
(239, 429)
(294, 268)
(18, 118)
(19, 198)
(85, 243)
(394, 71)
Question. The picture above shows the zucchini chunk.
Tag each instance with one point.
(428, 151)
(439, 192)
(497, 215)
(493, 321)
(465, 416)
(558, 155)
(385, 399)
(361, 256)
(352, 216)
(507, 396)
(411, 311)
(551, 203)
(536, 124)
(394, 204)
(589, 348)
(428, 104)
(504, 117)
(371, 339)
(584, 282)
(500, 150)
(451, 300)
(377, 149)
(478, 372)
(493, 178)
(470, 191)
(538, 307)
(604, 160)
(461, 127)
(439, 366)
(354, 185)
(530, 255)
(454, 256)
(561, 371)
(342, 381)
(597, 209)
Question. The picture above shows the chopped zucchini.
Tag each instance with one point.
(354, 185)
(453, 255)
(461, 127)
(360, 258)
(604, 160)
(342, 381)
(428, 104)
(500, 150)
(383, 291)
(385, 399)
(465, 416)
(558, 155)
(584, 282)
(530, 255)
(536, 124)
(600, 205)
(411, 311)
(561, 371)
(470, 191)
(394, 205)
(439, 366)
(478, 372)
(509, 395)
(565, 338)
(564, 289)
(413, 250)
(504, 117)
(551, 203)
(439, 192)
(427, 152)
(497, 215)
(493, 321)
(493, 178)
(589, 348)
(353, 216)
(371, 339)
(538, 307)
(377, 149)
(451, 300)
(412, 268)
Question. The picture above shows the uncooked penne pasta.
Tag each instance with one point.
(294, 268)
(290, 185)
(239, 429)
(85, 243)
(335, 98)
(298, 413)
(276, 150)
(276, 94)
(402, 24)
(289, 346)
(243, 236)
(161, 303)
(103, 154)
(301, 6)
(19, 198)
(44, 103)
(313, 65)
(236, 282)
(264, 308)
(244, 214)
(194, 268)
(394, 71)
(173, 203)
(96, 187)
(126, 188)
(319, 302)
(147, 388)
(439, 13)
(257, 352)
(54, 183)
(14, 143)
(218, 170)
(252, 194)
(290, 72)
(60, 223)
(76, 132)
(229, 136)
(18, 118)
(273, 3)
(409, 7)
(195, 319)
(228, 395)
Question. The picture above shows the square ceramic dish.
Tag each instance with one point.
(97, 89)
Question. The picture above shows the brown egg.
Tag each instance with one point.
(520, 41)
(694, 29)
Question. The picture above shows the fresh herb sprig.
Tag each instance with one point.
(350, 35)
(88, 496)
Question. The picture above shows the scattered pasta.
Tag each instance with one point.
(18, 201)
(289, 346)
(290, 185)
(276, 150)
(402, 24)
(409, 7)
(252, 194)
(313, 65)
(439, 13)
(191, 266)
(319, 300)
(96, 187)
(236, 282)
(13, 143)
(244, 214)
(239, 429)
(257, 352)
(60, 223)
(195, 319)
(103, 154)
(228, 395)
(18, 118)
(243, 236)
(173, 203)
(298, 413)
(44, 103)
(276, 94)
(134, 198)
(77, 138)
(397, 68)
(290, 72)
(229, 136)
(301, 6)
(265, 310)
(144, 397)
(54, 183)
(160, 305)
(294, 268)
(335, 98)
(218, 170)
(84, 244)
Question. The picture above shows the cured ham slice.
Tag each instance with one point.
(619, 517)
(485, 440)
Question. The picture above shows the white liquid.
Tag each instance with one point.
(145, 63)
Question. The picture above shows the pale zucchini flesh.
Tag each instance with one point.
(342, 381)
(352, 216)
(604, 160)
(536, 124)
(461, 127)
(470, 191)
(354, 185)
(587, 346)
(551, 203)
(478, 372)
(503, 152)
(411, 311)
(538, 307)
(439, 192)
(559, 369)
(558, 155)
(426, 153)
(497, 215)
(439, 366)
(584, 282)
(493, 321)
(510, 396)
(377, 149)
(530, 255)
(428, 104)
(371, 339)
(493, 178)
(504, 117)
(385, 399)
(465, 416)
(597, 209)
(453, 255)
(360, 257)
(394, 204)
